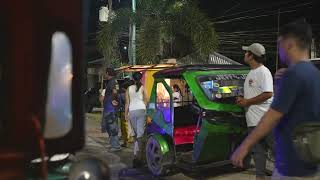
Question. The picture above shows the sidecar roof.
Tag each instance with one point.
(176, 72)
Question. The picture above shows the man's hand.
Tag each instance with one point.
(115, 103)
(238, 156)
(242, 102)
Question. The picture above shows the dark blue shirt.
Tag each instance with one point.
(299, 100)
(109, 96)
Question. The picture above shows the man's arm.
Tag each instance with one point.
(115, 90)
(115, 97)
(101, 97)
(267, 123)
(145, 97)
(256, 100)
(114, 93)
(260, 98)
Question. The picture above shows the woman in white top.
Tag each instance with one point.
(135, 111)
(176, 96)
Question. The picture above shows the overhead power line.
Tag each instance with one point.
(232, 7)
(265, 15)
(252, 17)
(248, 31)
(263, 8)
(247, 34)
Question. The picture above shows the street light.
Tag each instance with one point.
(103, 14)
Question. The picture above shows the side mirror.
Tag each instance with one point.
(58, 109)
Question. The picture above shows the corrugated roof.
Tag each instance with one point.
(214, 58)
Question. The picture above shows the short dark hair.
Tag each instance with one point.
(137, 76)
(300, 30)
(259, 59)
(175, 86)
(111, 72)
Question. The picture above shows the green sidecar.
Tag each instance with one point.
(202, 129)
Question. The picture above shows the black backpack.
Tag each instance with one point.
(306, 140)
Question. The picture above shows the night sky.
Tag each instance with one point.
(240, 22)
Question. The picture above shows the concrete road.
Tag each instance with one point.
(120, 162)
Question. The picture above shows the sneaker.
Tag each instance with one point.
(114, 149)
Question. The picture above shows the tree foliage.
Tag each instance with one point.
(165, 29)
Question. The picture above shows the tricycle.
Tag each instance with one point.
(205, 127)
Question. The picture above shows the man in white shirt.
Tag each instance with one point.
(258, 93)
(176, 95)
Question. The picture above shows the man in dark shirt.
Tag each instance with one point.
(110, 97)
(296, 101)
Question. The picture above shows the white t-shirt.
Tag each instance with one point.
(258, 81)
(176, 99)
(136, 98)
(103, 92)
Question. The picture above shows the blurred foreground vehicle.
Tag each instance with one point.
(316, 62)
(41, 78)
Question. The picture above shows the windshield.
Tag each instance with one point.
(222, 88)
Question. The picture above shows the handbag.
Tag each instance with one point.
(306, 141)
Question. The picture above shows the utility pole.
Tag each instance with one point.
(132, 33)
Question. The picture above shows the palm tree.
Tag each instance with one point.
(165, 29)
